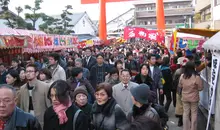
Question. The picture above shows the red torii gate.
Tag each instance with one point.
(102, 19)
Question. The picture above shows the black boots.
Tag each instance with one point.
(180, 122)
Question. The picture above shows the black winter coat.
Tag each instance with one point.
(148, 80)
(167, 75)
(51, 121)
(92, 62)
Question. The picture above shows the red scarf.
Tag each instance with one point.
(60, 110)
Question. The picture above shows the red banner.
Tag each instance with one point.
(135, 32)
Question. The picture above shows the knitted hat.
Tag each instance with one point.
(141, 93)
(79, 90)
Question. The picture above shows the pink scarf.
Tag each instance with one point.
(60, 110)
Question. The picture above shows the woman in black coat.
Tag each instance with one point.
(106, 113)
(143, 77)
(63, 115)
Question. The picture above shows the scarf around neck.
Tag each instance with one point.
(137, 111)
(60, 110)
(106, 109)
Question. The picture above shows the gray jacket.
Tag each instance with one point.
(150, 112)
(122, 96)
(112, 119)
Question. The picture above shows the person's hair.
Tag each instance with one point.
(88, 49)
(70, 57)
(3, 64)
(141, 52)
(118, 62)
(106, 86)
(15, 74)
(189, 70)
(63, 91)
(8, 87)
(145, 123)
(129, 54)
(114, 71)
(32, 65)
(166, 61)
(179, 53)
(70, 64)
(78, 60)
(45, 59)
(100, 54)
(46, 72)
(126, 70)
(142, 65)
(151, 55)
(175, 59)
(15, 60)
(77, 55)
(76, 71)
(56, 56)
(190, 57)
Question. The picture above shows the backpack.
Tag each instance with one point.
(74, 118)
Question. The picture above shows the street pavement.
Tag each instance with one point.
(173, 121)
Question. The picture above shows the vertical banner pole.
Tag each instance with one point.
(160, 16)
(102, 20)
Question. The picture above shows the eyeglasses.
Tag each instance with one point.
(5, 101)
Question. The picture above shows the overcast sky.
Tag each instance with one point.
(55, 7)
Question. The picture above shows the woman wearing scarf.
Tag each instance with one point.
(106, 113)
(63, 115)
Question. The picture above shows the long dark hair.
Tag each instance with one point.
(142, 65)
(189, 70)
(63, 91)
(166, 61)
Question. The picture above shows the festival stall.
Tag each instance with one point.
(12, 41)
(183, 41)
(213, 45)
(209, 75)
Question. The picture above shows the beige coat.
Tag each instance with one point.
(39, 99)
(58, 74)
(190, 88)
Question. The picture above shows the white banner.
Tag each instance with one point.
(212, 89)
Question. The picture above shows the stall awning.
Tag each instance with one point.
(201, 32)
(19, 32)
(213, 43)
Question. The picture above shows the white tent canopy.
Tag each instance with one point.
(213, 43)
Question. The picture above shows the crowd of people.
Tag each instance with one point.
(121, 87)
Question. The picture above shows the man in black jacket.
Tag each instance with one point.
(11, 117)
(89, 60)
